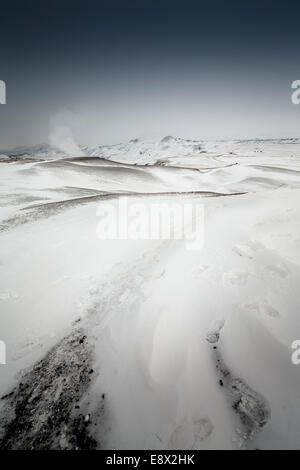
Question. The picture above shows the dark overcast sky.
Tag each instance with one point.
(114, 70)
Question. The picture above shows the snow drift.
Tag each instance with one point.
(176, 349)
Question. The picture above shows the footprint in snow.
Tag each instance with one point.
(267, 309)
(190, 435)
(277, 270)
(247, 250)
(238, 278)
(262, 307)
(213, 334)
(243, 250)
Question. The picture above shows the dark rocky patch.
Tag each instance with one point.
(40, 412)
(253, 409)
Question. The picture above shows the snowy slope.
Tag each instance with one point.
(186, 349)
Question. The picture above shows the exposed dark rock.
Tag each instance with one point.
(40, 413)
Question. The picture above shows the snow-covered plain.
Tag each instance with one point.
(186, 349)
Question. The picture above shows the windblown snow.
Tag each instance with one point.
(143, 344)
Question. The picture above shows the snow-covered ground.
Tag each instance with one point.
(174, 349)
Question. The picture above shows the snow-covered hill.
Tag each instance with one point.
(143, 344)
(167, 149)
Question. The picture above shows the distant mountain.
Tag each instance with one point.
(148, 153)
(134, 151)
(37, 152)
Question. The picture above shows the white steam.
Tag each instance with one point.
(62, 139)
